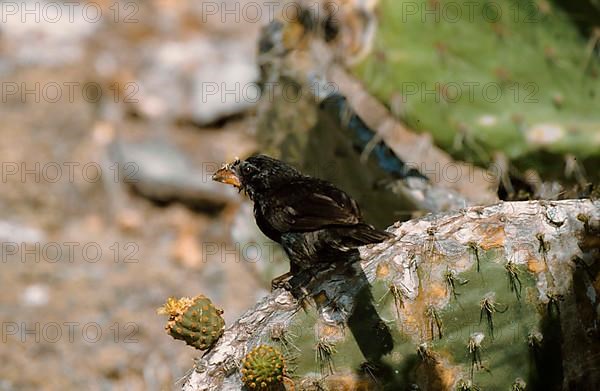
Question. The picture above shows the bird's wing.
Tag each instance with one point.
(308, 205)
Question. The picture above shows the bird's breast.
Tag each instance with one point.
(264, 225)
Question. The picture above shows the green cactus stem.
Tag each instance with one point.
(194, 320)
(263, 368)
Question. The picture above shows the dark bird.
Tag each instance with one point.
(316, 223)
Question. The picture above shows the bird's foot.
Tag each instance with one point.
(283, 281)
(293, 283)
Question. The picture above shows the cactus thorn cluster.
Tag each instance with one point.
(467, 385)
(519, 385)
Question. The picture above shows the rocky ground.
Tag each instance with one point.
(109, 136)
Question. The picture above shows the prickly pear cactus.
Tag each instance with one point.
(194, 320)
(263, 368)
(510, 76)
(469, 327)
(455, 311)
(488, 298)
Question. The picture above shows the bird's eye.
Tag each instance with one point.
(247, 169)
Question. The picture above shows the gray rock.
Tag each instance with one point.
(161, 172)
(226, 85)
(202, 80)
(18, 233)
(48, 33)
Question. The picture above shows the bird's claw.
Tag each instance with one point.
(283, 281)
(292, 284)
(285, 284)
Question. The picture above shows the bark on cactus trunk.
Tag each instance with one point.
(549, 238)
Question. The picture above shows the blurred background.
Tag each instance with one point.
(115, 114)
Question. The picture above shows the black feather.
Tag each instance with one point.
(314, 221)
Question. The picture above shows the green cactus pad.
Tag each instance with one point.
(194, 320)
(427, 54)
(263, 368)
(442, 339)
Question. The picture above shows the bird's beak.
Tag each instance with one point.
(228, 176)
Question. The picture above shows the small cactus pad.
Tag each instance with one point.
(194, 320)
(263, 368)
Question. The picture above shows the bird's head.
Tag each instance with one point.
(256, 174)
